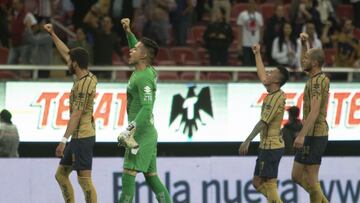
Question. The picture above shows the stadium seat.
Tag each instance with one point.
(218, 76)
(122, 75)
(236, 10)
(203, 56)
(8, 75)
(344, 11)
(184, 56)
(267, 10)
(329, 56)
(4, 52)
(163, 57)
(247, 76)
(191, 76)
(116, 60)
(168, 75)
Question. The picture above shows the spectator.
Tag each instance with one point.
(284, 47)
(314, 41)
(290, 129)
(105, 41)
(326, 11)
(328, 33)
(157, 16)
(302, 11)
(226, 5)
(347, 46)
(180, 19)
(120, 9)
(18, 52)
(9, 136)
(82, 42)
(4, 28)
(81, 7)
(273, 26)
(250, 24)
(218, 37)
(200, 8)
(41, 43)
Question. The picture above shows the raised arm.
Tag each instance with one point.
(259, 63)
(61, 47)
(304, 48)
(129, 35)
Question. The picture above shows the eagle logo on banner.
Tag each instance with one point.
(189, 109)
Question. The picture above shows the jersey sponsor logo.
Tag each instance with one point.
(189, 109)
(147, 90)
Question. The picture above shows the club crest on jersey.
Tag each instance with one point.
(189, 109)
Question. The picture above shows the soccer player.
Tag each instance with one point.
(78, 154)
(271, 146)
(141, 92)
(312, 139)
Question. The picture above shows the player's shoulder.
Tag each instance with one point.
(87, 83)
(321, 78)
(282, 96)
(149, 74)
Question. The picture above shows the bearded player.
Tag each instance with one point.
(312, 139)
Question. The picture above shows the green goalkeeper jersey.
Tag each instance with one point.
(141, 93)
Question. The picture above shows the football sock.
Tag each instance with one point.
(88, 189)
(62, 177)
(162, 194)
(128, 188)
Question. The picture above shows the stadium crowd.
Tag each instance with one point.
(190, 32)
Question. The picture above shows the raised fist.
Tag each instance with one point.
(256, 48)
(304, 37)
(125, 22)
(49, 28)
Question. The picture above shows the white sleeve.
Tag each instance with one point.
(240, 19)
(260, 19)
(275, 51)
(318, 44)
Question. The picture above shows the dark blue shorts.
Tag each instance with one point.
(312, 151)
(79, 153)
(267, 163)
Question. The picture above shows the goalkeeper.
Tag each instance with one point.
(140, 137)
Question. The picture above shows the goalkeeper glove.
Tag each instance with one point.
(126, 138)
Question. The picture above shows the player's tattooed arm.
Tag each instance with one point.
(260, 68)
(257, 129)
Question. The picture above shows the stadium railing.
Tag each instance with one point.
(235, 70)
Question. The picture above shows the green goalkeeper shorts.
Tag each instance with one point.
(145, 159)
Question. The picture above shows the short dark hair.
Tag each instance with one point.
(81, 56)
(318, 56)
(5, 116)
(151, 46)
(294, 112)
(284, 75)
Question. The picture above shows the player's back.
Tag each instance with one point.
(317, 87)
(141, 90)
(272, 113)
